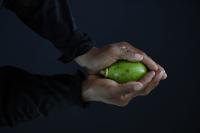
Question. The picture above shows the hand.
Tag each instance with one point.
(99, 89)
(98, 58)
(110, 92)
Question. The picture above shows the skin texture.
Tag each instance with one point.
(100, 89)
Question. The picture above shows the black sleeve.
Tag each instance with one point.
(24, 96)
(52, 20)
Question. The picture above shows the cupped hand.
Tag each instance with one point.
(108, 91)
(99, 58)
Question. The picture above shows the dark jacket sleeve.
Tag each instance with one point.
(24, 96)
(52, 20)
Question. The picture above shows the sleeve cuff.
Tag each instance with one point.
(79, 44)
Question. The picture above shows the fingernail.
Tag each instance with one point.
(138, 87)
(138, 56)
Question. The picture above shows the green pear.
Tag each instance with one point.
(124, 71)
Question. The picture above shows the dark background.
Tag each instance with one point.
(166, 30)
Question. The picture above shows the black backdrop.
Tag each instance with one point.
(166, 30)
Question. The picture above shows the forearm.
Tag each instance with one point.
(52, 20)
(24, 96)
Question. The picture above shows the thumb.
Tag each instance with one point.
(129, 87)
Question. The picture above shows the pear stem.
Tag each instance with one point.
(104, 72)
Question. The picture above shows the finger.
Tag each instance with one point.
(147, 60)
(164, 72)
(152, 85)
(128, 52)
(149, 63)
(164, 76)
(147, 78)
(128, 88)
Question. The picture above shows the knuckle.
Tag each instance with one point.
(124, 48)
(123, 45)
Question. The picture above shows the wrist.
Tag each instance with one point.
(86, 91)
(84, 59)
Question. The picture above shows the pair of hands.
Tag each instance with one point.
(97, 88)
